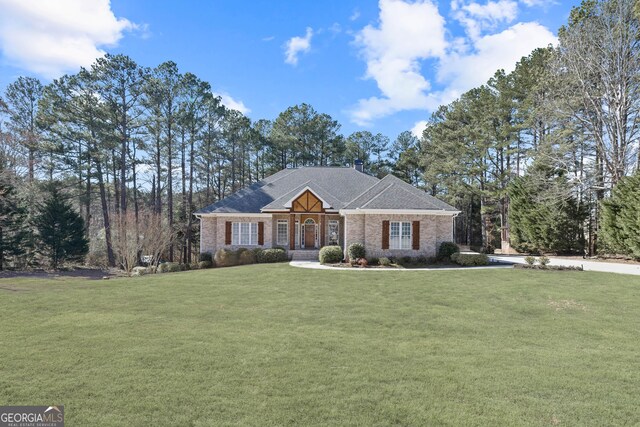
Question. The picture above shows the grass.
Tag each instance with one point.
(274, 345)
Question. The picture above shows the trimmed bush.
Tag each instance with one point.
(246, 257)
(469, 260)
(225, 258)
(373, 261)
(447, 249)
(205, 264)
(330, 254)
(356, 250)
(205, 256)
(422, 260)
(543, 260)
(138, 271)
(273, 255)
(384, 261)
(530, 260)
(406, 260)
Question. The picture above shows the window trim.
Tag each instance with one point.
(286, 225)
(401, 237)
(236, 233)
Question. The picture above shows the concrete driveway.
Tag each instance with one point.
(587, 265)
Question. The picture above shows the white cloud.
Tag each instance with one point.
(53, 37)
(476, 17)
(532, 3)
(461, 72)
(418, 128)
(411, 33)
(231, 103)
(297, 45)
(355, 15)
(407, 33)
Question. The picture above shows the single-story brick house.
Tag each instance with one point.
(306, 208)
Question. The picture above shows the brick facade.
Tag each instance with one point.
(212, 232)
(367, 229)
(361, 228)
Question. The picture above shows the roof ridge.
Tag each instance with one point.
(376, 196)
(368, 188)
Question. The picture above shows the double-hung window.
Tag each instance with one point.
(283, 232)
(400, 235)
(244, 233)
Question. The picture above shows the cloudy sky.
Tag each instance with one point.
(381, 66)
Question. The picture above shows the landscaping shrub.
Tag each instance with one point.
(406, 260)
(138, 271)
(447, 249)
(373, 261)
(246, 257)
(194, 266)
(362, 262)
(356, 250)
(205, 256)
(205, 264)
(330, 254)
(258, 253)
(384, 261)
(273, 255)
(530, 260)
(170, 267)
(225, 258)
(543, 260)
(422, 260)
(468, 260)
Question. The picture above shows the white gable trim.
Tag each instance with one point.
(325, 205)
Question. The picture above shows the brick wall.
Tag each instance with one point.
(212, 232)
(367, 229)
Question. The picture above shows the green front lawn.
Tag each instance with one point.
(274, 345)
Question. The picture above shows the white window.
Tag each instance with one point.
(244, 233)
(283, 232)
(334, 232)
(400, 235)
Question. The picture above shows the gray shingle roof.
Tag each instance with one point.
(340, 187)
(393, 193)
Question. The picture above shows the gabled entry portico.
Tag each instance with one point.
(307, 220)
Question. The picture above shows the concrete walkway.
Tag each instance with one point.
(317, 266)
(587, 265)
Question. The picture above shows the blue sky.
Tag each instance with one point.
(382, 66)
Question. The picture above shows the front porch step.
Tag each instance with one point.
(304, 255)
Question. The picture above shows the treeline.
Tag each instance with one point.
(127, 142)
(530, 156)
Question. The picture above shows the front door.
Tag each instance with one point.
(309, 236)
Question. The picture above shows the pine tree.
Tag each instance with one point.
(60, 229)
(12, 224)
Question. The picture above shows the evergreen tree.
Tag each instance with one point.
(12, 224)
(620, 220)
(545, 216)
(60, 229)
